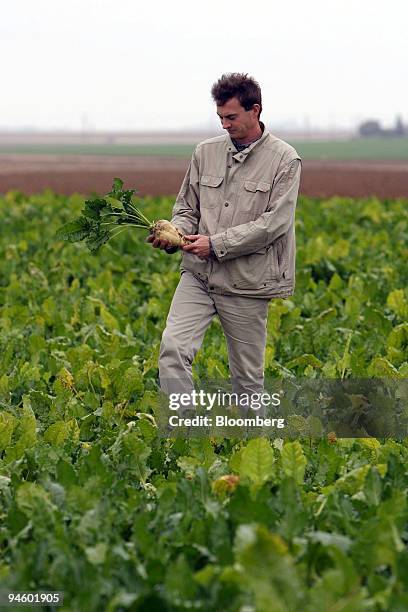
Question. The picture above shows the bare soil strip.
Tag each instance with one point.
(163, 175)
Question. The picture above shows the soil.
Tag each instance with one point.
(163, 175)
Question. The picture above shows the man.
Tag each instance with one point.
(237, 206)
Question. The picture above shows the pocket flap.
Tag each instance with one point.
(211, 181)
(255, 186)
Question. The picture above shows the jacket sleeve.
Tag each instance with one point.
(186, 210)
(250, 237)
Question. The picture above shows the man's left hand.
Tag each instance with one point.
(200, 246)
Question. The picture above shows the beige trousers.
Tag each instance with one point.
(243, 320)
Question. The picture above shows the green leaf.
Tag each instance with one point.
(25, 432)
(59, 432)
(96, 239)
(314, 427)
(179, 582)
(373, 487)
(66, 474)
(56, 433)
(203, 450)
(267, 569)
(396, 302)
(380, 367)
(353, 481)
(75, 230)
(114, 202)
(93, 208)
(136, 452)
(304, 360)
(293, 461)
(109, 321)
(297, 425)
(7, 424)
(117, 184)
(31, 497)
(398, 338)
(4, 386)
(235, 460)
(257, 461)
(128, 383)
(206, 575)
(96, 554)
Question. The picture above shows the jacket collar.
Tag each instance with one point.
(241, 156)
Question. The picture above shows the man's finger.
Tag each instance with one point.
(164, 244)
(192, 236)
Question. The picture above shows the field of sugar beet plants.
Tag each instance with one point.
(94, 503)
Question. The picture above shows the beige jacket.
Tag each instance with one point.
(246, 203)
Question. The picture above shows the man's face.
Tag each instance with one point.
(239, 123)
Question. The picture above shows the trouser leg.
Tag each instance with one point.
(190, 314)
(243, 320)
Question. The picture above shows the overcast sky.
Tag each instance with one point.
(124, 64)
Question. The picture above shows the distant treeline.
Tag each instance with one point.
(373, 128)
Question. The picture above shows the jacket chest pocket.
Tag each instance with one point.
(254, 198)
(210, 190)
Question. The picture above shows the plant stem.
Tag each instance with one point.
(131, 225)
(117, 233)
(140, 214)
(125, 225)
(123, 215)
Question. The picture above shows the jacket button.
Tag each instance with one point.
(226, 204)
(212, 287)
(222, 252)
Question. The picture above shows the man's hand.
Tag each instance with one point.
(158, 244)
(199, 247)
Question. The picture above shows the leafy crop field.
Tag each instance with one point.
(94, 503)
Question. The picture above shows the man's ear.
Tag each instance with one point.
(256, 108)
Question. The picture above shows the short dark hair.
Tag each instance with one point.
(238, 85)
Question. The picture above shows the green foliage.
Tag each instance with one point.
(100, 216)
(94, 503)
(293, 461)
(75, 230)
(257, 461)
